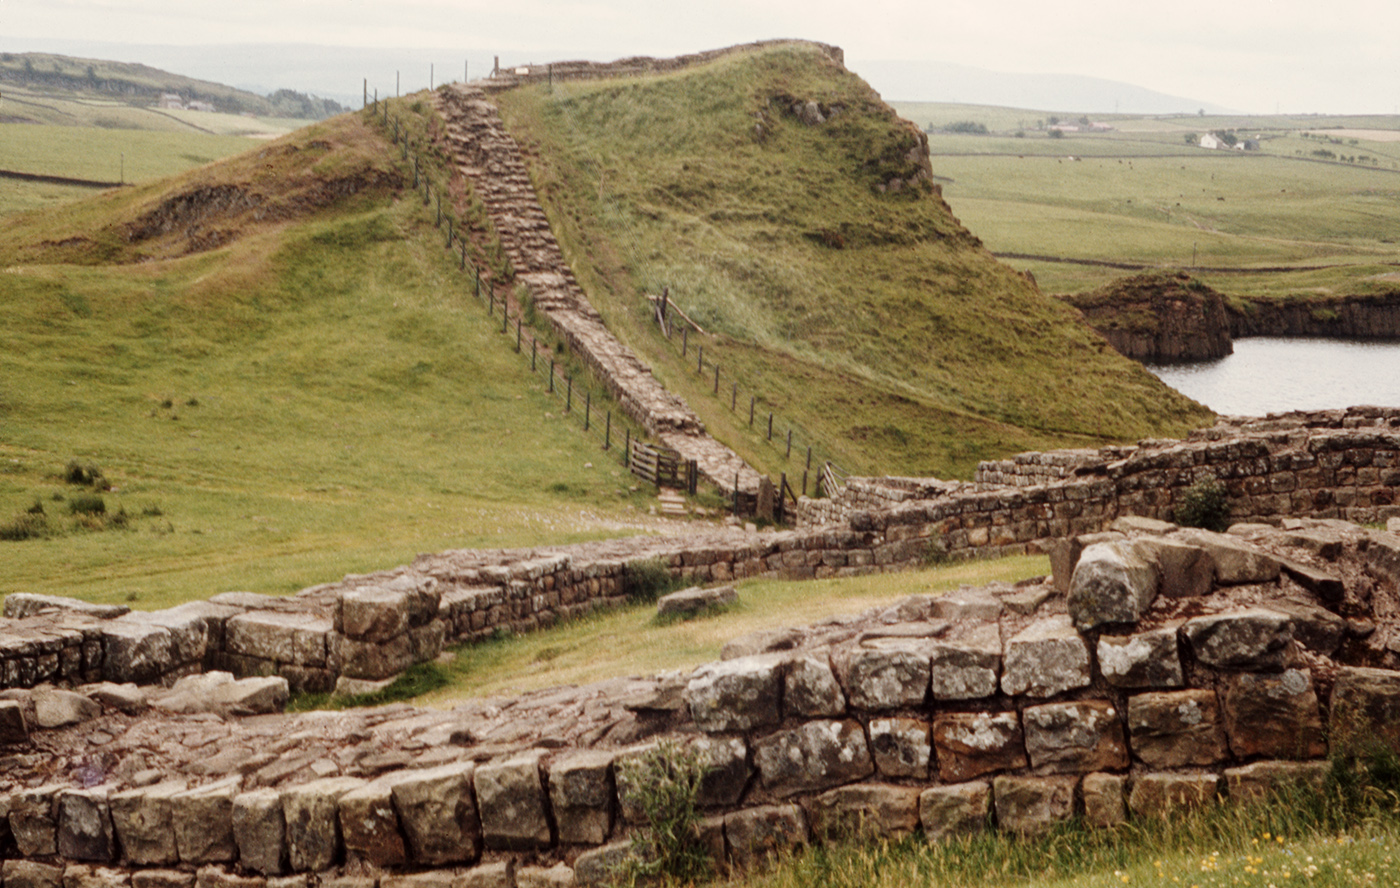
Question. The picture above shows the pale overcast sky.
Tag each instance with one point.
(1253, 55)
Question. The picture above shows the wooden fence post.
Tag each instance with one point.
(490, 304)
(463, 266)
(534, 349)
(685, 340)
(788, 455)
(751, 399)
(700, 360)
(569, 399)
(734, 398)
(770, 426)
(517, 334)
(717, 379)
(551, 375)
(505, 315)
(587, 409)
(627, 450)
(607, 433)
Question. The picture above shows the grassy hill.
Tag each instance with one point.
(874, 323)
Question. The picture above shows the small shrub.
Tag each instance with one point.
(85, 475)
(1204, 504)
(665, 783)
(87, 504)
(25, 526)
(647, 580)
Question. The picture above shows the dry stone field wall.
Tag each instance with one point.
(490, 159)
(638, 65)
(1177, 668)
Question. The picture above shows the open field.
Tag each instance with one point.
(1314, 211)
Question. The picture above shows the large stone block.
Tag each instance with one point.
(373, 613)
(1184, 570)
(1065, 552)
(1083, 735)
(283, 637)
(165, 878)
(813, 756)
(511, 799)
(737, 695)
(810, 688)
(865, 810)
(259, 830)
(888, 673)
(1260, 780)
(901, 747)
(136, 651)
(755, 834)
(13, 727)
(603, 866)
(203, 820)
(1145, 660)
(968, 668)
(970, 744)
(1254, 639)
(79, 875)
(57, 708)
(1171, 729)
(439, 815)
(1112, 584)
(1031, 805)
(1161, 795)
(34, 820)
(85, 825)
(727, 774)
(1365, 708)
(143, 819)
(1273, 715)
(371, 660)
(955, 809)
(581, 793)
(312, 814)
(30, 874)
(1236, 562)
(1104, 801)
(369, 824)
(1046, 658)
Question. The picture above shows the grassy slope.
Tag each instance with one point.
(910, 350)
(354, 406)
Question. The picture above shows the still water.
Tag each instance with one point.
(1273, 375)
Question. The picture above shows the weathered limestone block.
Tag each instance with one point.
(373, 613)
(13, 727)
(1046, 658)
(203, 820)
(1065, 552)
(885, 674)
(500, 874)
(1236, 562)
(737, 695)
(1315, 628)
(219, 691)
(1274, 715)
(968, 668)
(1325, 585)
(1112, 583)
(561, 875)
(1030, 805)
(1170, 729)
(510, 796)
(969, 744)
(439, 815)
(55, 707)
(30, 874)
(1104, 801)
(688, 602)
(865, 810)
(602, 866)
(754, 834)
(728, 770)
(967, 604)
(163, 878)
(85, 825)
(810, 688)
(1260, 780)
(369, 824)
(813, 756)
(954, 809)
(34, 820)
(128, 698)
(1145, 660)
(1184, 570)
(1083, 735)
(296, 638)
(581, 792)
(79, 875)
(312, 811)
(1160, 795)
(144, 825)
(19, 605)
(900, 747)
(259, 830)
(136, 651)
(1365, 707)
(370, 660)
(213, 876)
(1254, 638)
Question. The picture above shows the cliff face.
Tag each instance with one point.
(1373, 316)
(1164, 317)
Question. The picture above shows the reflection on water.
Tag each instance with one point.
(1274, 375)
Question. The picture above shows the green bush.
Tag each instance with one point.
(87, 504)
(85, 475)
(647, 580)
(25, 526)
(1204, 504)
(664, 783)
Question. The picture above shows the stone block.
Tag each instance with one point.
(1172, 729)
(374, 614)
(901, 747)
(966, 669)
(865, 811)
(737, 695)
(369, 824)
(1259, 781)
(581, 794)
(79, 875)
(203, 820)
(499, 874)
(1113, 584)
(19, 605)
(511, 800)
(1145, 660)
(1046, 658)
(1315, 628)
(136, 651)
(14, 730)
(561, 875)
(813, 756)
(955, 809)
(279, 636)
(1079, 736)
(755, 834)
(85, 825)
(970, 744)
(967, 604)
(1365, 707)
(1031, 805)
(1254, 639)
(259, 830)
(220, 877)
(1161, 795)
(1104, 800)
(439, 815)
(30, 874)
(1236, 562)
(603, 866)
(57, 708)
(1274, 715)
(219, 691)
(693, 601)
(1065, 552)
(128, 698)
(34, 820)
(810, 688)
(727, 770)
(1184, 570)
(883, 674)
(368, 660)
(312, 815)
(166, 878)
(143, 822)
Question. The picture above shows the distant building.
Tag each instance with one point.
(199, 106)
(171, 100)
(1212, 141)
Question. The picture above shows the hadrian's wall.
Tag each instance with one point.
(1180, 668)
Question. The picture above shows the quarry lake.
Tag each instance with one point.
(1267, 375)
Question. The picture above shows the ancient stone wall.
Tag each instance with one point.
(1178, 670)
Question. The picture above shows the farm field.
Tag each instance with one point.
(1313, 211)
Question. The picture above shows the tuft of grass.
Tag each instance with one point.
(1205, 504)
(664, 784)
(417, 680)
(646, 580)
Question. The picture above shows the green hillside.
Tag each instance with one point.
(873, 322)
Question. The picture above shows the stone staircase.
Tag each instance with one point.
(491, 160)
